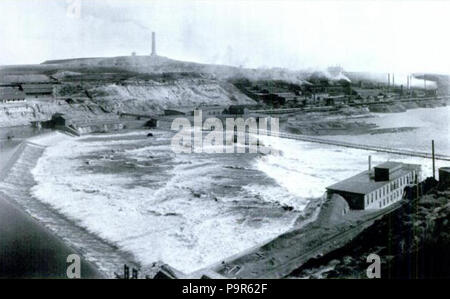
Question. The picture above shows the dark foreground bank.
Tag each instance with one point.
(412, 242)
(28, 250)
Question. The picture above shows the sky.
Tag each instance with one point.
(365, 35)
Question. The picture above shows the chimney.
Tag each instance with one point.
(153, 44)
(370, 164)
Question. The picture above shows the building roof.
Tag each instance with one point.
(285, 94)
(29, 78)
(11, 92)
(363, 92)
(362, 183)
(210, 107)
(392, 166)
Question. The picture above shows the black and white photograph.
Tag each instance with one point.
(229, 140)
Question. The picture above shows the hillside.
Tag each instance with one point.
(150, 96)
(161, 65)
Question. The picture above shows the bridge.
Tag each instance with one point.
(375, 148)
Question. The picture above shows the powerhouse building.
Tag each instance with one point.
(377, 188)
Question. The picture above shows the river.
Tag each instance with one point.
(192, 210)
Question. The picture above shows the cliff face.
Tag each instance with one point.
(154, 97)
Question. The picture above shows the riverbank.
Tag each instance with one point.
(412, 242)
(28, 249)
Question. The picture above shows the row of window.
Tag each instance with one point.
(393, 197)
(389, 188)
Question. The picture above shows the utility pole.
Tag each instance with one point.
(432, 153)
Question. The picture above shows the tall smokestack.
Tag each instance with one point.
(370, 164)
(153, 44)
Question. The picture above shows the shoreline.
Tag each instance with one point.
(28, 248)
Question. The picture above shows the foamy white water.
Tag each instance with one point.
(188, 211)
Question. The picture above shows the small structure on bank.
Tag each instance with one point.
(242, 109)
(444, 177)
(378, 188)
(60, 119)
(211, 110)
(207, 110)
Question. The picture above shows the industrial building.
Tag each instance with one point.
(377, 188)
(241, 109)
(179, 110)
(211, 110)
(36, 85)
(207, 110)
(335, 100)
(11, 94)
(277, 98)
(368, 95)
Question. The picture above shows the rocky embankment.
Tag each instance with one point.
(412, 242)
